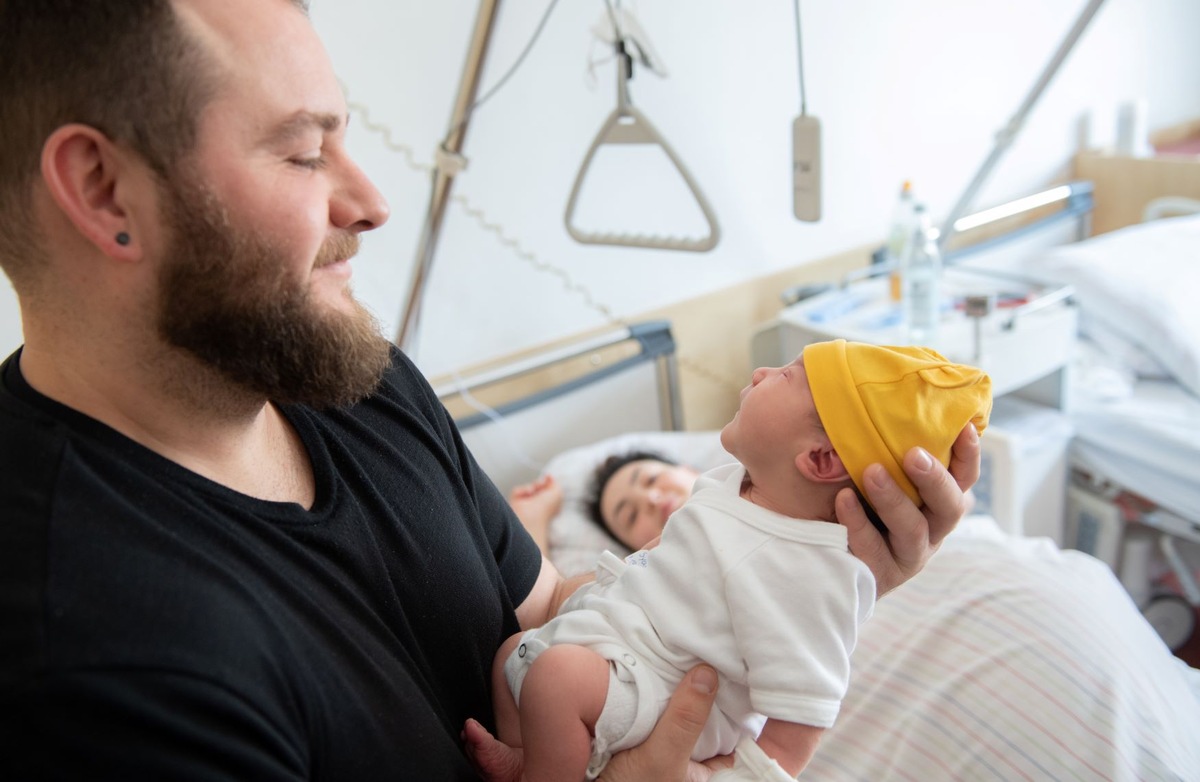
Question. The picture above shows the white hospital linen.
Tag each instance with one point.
(1007, 658)
(773, 603)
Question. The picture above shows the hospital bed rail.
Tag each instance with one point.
(519, 410)
(653, 341)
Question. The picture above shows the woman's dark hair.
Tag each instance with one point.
(604, 473)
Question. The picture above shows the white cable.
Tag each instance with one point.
(800, 60)
(491, 92)
(385, 132)
(465, 394)
(612, 16)
(568, 282)
(592, 81)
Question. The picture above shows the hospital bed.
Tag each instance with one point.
(1006, 658)
(1134, 404)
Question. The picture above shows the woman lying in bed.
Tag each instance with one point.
(631, 496)
(1005, 658)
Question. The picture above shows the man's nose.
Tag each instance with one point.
(357, 205)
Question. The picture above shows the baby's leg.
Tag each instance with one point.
(508, 721)
(561, 699)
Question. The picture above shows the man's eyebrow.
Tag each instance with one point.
(303, 121)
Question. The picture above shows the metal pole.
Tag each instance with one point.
(443, 177)
(1005, 137)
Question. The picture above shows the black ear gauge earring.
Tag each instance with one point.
(123, 239)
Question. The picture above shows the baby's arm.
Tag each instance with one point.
(789, 744)
(782, 751)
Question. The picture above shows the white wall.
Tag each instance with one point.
(904, 89)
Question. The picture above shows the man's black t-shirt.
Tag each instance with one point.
(157, 625)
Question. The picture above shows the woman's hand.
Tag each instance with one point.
(536, 504)
(914, 534)
(665, 755)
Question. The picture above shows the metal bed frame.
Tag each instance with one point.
(1102, 507)
(577, 378)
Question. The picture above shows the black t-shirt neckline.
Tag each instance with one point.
(13, 382)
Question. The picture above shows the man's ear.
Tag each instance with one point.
(821, 464)
(87, 176)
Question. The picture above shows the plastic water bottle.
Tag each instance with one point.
(921, 278)
(899, 236)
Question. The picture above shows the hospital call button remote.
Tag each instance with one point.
(806, 168)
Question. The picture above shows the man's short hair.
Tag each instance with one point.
(128, 69)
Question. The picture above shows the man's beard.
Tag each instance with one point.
(229, 297)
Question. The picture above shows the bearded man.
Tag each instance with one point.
(240, 538)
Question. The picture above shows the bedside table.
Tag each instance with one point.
(1025, 342)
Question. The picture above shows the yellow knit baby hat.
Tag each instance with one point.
(876, 402)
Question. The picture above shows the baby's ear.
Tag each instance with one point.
(821, 464)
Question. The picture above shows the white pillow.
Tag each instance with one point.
(1140, 284)
(1122, 352)
(575, 540)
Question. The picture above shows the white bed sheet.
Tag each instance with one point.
(1009, 659)
(1144, 436)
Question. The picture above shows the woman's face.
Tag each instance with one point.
(640, 496)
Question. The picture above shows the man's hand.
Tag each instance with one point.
(664, 756)
(914, 534)
(495, 761)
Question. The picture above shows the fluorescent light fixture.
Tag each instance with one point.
(1044, 198)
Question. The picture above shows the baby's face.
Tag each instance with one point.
(776, 415)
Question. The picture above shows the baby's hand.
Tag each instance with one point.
(541, 499)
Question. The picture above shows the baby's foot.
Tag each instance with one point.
(496, 761)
